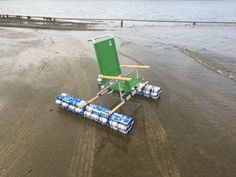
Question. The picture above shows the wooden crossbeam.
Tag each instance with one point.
(123, 102)
(115, 78)
(117, 107)
(135, 66)
(92, 99)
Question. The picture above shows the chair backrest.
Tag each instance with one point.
(107, 57)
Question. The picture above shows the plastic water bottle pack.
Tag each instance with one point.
(99, 114)
(149, 91)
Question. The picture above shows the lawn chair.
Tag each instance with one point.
(111, 79)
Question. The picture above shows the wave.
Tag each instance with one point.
(198, 57)
(218, 64)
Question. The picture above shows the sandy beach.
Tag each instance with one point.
(189, 132)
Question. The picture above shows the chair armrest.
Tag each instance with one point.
(135, 66)
(115, 78)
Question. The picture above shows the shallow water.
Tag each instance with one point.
(213, 46)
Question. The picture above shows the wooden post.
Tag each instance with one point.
(121, 23)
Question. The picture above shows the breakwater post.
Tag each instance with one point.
(121, 23)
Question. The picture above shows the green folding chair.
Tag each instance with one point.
(110, 68)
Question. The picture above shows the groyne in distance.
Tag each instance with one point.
(82, 23)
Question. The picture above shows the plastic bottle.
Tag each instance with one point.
(64, 105)
(58, 102)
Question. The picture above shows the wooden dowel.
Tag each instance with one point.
(135, 66)
(102, 92)
(117, 107)
(115, 78)
(92, 99)
(99, 94)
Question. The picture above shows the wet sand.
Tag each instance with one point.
(189, 132)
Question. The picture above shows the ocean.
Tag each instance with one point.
(211, 45)
(161, 10)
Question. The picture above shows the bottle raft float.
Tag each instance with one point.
(111, 79)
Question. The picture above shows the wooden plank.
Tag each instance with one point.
(115, 78)
(135, 66)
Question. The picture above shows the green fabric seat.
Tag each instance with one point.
(109, 64)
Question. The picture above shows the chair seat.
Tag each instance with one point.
(126, 86)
